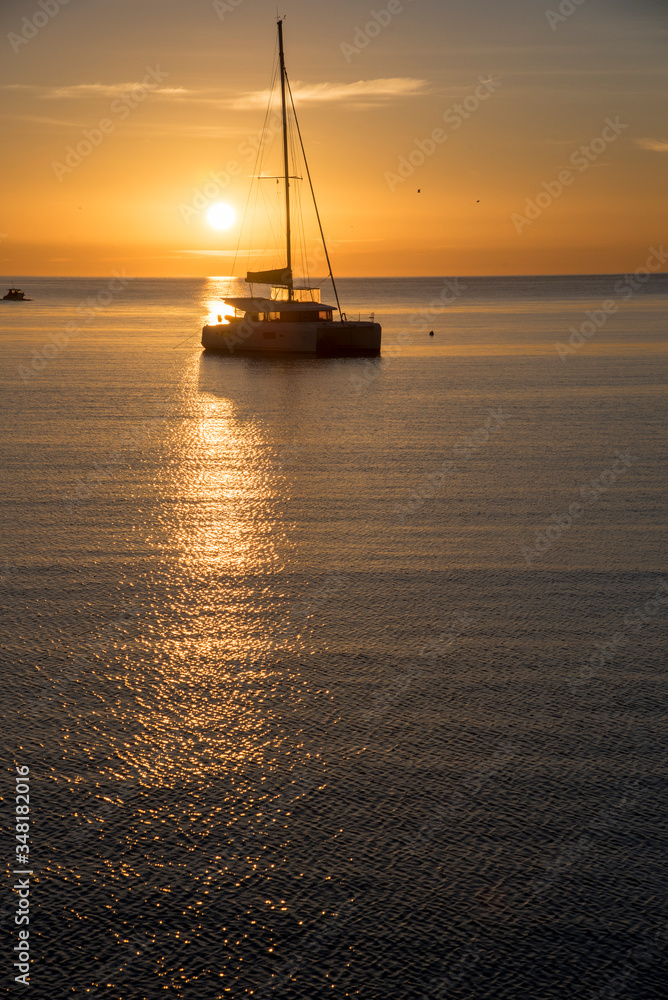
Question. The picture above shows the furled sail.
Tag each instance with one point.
(279, 276)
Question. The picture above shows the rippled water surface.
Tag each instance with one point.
(339, 677)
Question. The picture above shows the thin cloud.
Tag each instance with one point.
(183, 254)
(83, 90)
(655, 145)
(203, 253)
(320, 93)
(181, 130)
(362, 93)
(358, 96)
(39, 120)
(105, 90)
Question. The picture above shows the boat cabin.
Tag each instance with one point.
(289, 302)
(263, 310)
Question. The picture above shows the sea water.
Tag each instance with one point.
(339, 677)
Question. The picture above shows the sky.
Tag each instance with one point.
(444, 138)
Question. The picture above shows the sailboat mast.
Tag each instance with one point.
(286, 161)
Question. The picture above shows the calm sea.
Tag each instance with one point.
(339, 678)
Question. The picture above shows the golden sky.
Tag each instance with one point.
(120, 120)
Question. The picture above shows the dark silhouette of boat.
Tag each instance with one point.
(15, 295)
(292, 319)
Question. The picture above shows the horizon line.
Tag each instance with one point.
(344, 277)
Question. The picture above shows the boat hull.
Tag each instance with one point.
(333, 339)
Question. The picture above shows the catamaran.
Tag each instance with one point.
(291, 318)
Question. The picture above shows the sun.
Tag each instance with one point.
(221, 216)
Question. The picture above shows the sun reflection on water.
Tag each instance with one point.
(218, 312)
(218, 288)
(217, 616)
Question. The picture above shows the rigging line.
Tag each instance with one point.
(301, 232)
(251, 234)
(304, 254)
(302, 238)
(302, 228)
(272, 86)
(259, 161)
(271, 213)
(308, 174)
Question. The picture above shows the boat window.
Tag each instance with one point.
(296, 295)
(269, 335)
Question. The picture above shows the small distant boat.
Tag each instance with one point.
(15, 295)
(292, 319)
